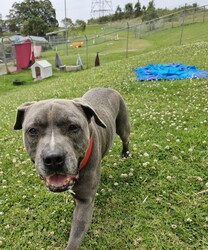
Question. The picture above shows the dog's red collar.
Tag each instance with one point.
(87, 154)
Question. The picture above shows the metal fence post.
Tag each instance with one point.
(86, 39)
(204, 14)
(127, 40)
(4, 56)
(67, 48)
(194, 10)
(182, 27)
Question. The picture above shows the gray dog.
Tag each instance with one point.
(66, 139)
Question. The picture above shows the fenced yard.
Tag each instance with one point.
(117, 41)
(155, 199)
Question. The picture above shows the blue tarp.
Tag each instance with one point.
(168, 72)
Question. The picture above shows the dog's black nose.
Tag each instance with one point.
(54, 161)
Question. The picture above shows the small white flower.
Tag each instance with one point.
(191, 150)
(123, 175)
(145, 164)
(168, 178)
(116, 184)
(146, 154)
(188, 220)
(175, 158)
(199, 178)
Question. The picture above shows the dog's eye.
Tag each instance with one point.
(33, 131)
(73, 128)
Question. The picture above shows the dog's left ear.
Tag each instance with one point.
(89, 111)
(21, 114)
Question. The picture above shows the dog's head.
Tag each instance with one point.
(56, 135)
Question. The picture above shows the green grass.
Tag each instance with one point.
(192, 33)
(162, 202)
(111, 49)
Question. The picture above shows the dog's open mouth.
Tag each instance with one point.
(60, 183)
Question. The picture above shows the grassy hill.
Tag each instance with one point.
(162, 201)
(115, 42)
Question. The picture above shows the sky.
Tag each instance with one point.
(82, 9)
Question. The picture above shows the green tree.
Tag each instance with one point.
(104, 19)
(34, 26)
(11, 24)
(144, 8)
(128, 10)
(80, 24)
(151, 5)
(21, 12)
(150, 13)
(137, 9)
(1, 24)
(118, 14)
(67, 22)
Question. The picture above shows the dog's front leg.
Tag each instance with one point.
(82, 217)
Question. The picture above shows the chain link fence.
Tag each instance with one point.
(7, 55)
(7, 50)
(116, 41)
(177, 19)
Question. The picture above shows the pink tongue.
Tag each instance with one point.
(58, 180)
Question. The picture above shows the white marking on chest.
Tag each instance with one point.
(52, 142)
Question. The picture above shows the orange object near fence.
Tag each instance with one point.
(77, 45)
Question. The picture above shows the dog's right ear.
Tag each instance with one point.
(21, 114)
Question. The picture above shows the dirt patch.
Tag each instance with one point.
(3, 70)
